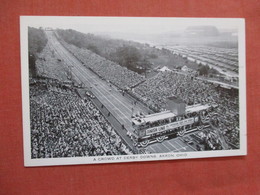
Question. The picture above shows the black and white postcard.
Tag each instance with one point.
(124, 89)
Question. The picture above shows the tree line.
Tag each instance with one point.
(125, 53)
(36, 42)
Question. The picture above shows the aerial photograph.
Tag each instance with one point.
(126, 86)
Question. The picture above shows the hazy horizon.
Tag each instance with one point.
(135, 25)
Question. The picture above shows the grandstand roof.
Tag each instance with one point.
(154, 117)
(158, 116)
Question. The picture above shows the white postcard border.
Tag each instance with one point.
(26, 21)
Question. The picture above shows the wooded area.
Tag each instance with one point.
(135, 56)
(36, 42)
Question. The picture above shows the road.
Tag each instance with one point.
(118, 105)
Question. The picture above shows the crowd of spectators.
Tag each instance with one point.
(108, 70)
(65, 125)
(155, 90)
(49, 65)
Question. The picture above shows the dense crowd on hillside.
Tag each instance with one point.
(112, 72)
(64, 125)
(155, 91)
(49, 65)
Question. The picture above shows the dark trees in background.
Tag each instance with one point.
(204, 70)
(125, 53)
(127, 56)
(131, 58)
(81, 40)
(36, 42)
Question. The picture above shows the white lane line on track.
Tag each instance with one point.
(166, 146)
(159, 149)
(180, 145)
(166, 143)
(171, 145)
(151, 148)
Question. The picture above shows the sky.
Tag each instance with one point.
(137, 25)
